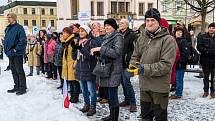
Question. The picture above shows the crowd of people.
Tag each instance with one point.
(96, 58)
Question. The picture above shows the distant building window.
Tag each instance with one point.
(92, 8)
(52, 23)
(25, 22)
(121, 6)
(33, 11)
(150, 5)
(43, 11)
(51, 11)
(113, 7)
(43, 23)
(141, 9)
(25, 11)
(74, 7)
(34, 23)
(100, 8)
(127, 8)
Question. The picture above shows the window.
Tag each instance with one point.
(92, 8)
(25, 11)
(43, 11)
(74, 7)
(127, 8)
(43, 23)
(150, 5)
(164, 7)
(34, 23)
(51, 11)
(52, 23)
(121, 7)
(113, 7)
(33, 11)
(141, 9)
(100, 9)
(25, 22)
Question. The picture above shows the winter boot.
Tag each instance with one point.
(124, 103)
(133, 108)
(75, 99)
(85, 108)
(205, 94)
(91, 111)
(212, 95)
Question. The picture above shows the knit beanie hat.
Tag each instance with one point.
(111, 22)
(211, 25)
(153, 13)
(86, 28)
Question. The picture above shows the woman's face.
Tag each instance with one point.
(41, 34)
(109, 28)
(82, 33)
(178, 34)
(46, 39)
(65, 35)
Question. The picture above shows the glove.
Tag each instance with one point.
(134, 70)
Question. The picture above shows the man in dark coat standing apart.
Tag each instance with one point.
(14, 47)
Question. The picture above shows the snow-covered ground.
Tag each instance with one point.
(43, 102)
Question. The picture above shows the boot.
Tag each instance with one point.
(114, 114)
(30, 74)
(133, 108)
(212, 95)
(91, 111)
(74, 99)
(85, 108)
(12, 90)
(103, 101)
(124, 103)
(61, 84)
(205, 94)
(108, 118)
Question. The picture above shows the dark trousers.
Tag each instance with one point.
(112, 97)
(59, 70)
(16, 65)
(37, 69)
(55, 71)
(42, 64)
(208, 70)
(50, 70)
(74, 87)
(102, 93)
(128, 89)
(153, 105)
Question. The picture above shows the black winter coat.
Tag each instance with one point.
(128, 46)
(183, 48)
(85, 64)
(206, 46)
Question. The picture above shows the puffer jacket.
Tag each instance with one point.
(158, 56)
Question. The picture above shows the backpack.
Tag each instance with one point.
(193, 55)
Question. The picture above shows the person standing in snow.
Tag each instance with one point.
(33, 51)
(14, 48)
(154, 55)
(206, 46)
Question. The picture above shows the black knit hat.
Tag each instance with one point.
(211, 25)
(153, 13)
(111, 22)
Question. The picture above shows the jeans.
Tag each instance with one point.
(179, 82)
(16, 65)
(209, 70)
(89, 87)
(113, 100)
(128, 89)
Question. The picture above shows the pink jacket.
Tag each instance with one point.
(49, 49)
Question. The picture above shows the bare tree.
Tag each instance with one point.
(203, 7)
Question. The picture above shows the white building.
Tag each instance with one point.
(72, 11)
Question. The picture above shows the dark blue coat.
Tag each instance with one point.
(14, 40)
(85, 64)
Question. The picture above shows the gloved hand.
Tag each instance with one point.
(134, 70)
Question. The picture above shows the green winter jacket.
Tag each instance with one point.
(157, 55)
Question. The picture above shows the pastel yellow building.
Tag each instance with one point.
(34, 15)
(3, 24)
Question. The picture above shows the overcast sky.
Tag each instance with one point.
(3, 2)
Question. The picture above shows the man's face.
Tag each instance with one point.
(10, 19)
(211, 30)
(109, 28)
(151, 24)
(122, 25)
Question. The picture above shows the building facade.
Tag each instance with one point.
(34, 15)
(70, 11)
(3, 24)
